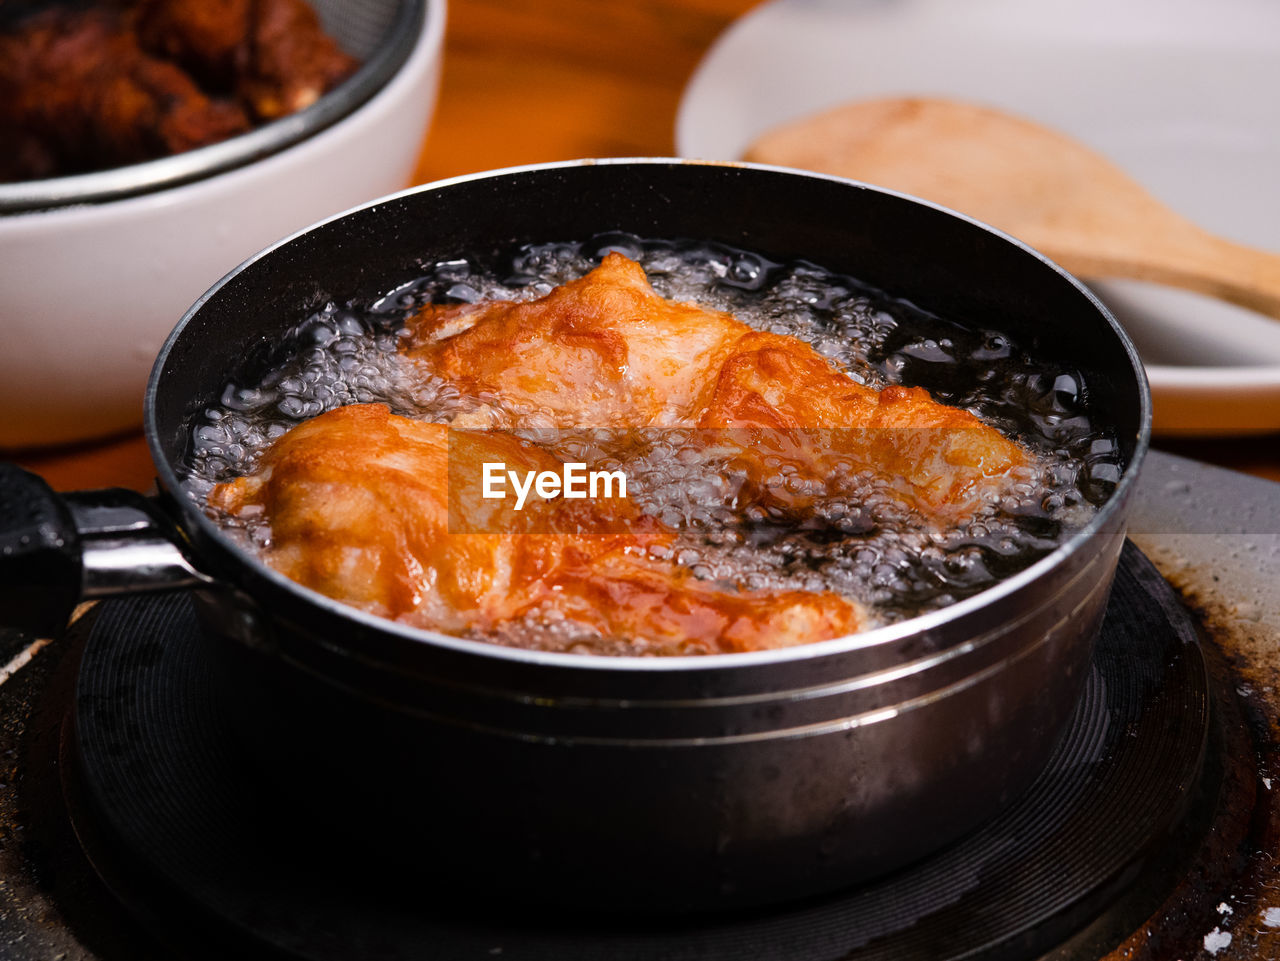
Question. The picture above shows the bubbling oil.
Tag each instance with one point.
(860, 539)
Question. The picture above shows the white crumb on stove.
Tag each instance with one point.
(1223, 907)
(1216, 940)
(1266, 783)
(1271, 917)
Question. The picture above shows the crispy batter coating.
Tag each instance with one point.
(601, 351)
(607, 351)
(120, 83)
(358, 504)
(207, 36)
(273, 55)
(79, 93)
(292, 62)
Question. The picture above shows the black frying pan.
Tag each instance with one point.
(673, 783)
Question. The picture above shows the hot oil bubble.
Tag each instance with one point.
(624, 244)
(746, 272)
(464, 293)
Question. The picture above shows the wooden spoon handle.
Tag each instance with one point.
(1187, 257)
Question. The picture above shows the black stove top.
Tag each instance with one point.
(135, 830)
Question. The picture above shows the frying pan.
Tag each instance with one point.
(617, 783)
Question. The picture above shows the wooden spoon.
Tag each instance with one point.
(1040, 186)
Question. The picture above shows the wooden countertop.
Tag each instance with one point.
(527, 81)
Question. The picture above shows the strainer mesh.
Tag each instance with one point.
(359, 26)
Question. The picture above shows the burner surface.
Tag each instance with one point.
(174, 823)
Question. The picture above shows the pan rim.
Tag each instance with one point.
(884, 635)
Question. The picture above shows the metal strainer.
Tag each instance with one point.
(379, 33)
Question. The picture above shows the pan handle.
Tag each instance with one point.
(57, 550)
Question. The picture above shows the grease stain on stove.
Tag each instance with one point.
(1227, 578)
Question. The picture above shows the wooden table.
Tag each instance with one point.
(527, 81)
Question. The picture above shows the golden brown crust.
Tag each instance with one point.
(115, 84)
(77, 89)
(607, 351)
(601, 351)
(358, 503)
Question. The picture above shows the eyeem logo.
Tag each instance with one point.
(573, 482)
(540, 482)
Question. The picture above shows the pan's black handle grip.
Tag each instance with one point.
(58, 550)
(41, 571)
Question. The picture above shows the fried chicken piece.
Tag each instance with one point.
(294, 61)
(607, 351)
(358, 501)
(208, 37)
(85, 96)
(132, 80)
(273, 55)
(784, 403)
(600, 351)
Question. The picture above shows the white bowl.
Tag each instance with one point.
(88, 293)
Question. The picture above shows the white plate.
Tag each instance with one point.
(1183, 94)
